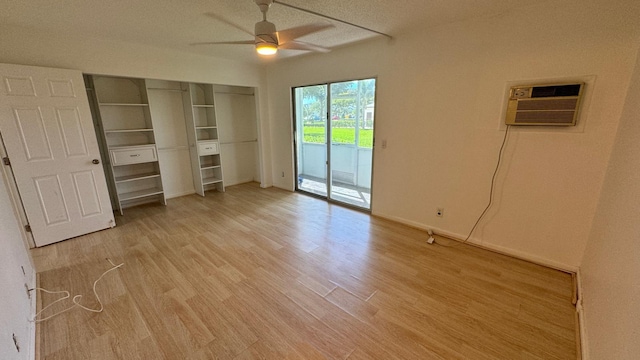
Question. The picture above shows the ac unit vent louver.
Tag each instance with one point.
(544, 104)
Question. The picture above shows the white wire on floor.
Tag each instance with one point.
(76, 299)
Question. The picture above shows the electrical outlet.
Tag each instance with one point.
(440, 212)
(283, 174)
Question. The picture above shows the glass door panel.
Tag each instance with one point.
(351, 132)
(310, 106)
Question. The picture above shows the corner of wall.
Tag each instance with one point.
(582, 326)
(609, 315)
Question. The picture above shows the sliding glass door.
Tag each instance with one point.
(334, 140)
(310, 104)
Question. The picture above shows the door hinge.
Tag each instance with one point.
(6, 161)
(27, 228)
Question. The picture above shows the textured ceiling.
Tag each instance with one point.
(175, 24)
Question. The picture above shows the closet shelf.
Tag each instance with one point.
(205, 167)
(210, 180)
(121, 179)
(202, 132)
(122, 104)
(123, 108)
(140, 194)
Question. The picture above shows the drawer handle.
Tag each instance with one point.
(134, 155)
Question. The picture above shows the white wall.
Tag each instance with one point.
(31, 47)
(440, 105)
(611, 262)
(15, 307)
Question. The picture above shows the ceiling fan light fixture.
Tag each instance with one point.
(266, 48)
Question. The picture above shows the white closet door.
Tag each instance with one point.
(47, 129)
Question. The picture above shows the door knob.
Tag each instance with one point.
(95, 161)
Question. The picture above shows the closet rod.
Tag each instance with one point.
(231, 93)
(177, 90)
(239, 142)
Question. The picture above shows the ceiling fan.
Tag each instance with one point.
(267, 40)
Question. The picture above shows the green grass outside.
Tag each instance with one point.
(316, 134)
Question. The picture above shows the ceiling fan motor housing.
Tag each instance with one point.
(264, 4)
(266, 32)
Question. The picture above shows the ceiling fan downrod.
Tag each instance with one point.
(264, 7)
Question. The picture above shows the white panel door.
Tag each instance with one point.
(48, 133)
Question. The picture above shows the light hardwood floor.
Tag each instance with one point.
(268, 274)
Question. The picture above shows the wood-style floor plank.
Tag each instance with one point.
(267, 274)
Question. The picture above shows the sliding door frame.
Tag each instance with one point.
(328, 141)
(296, 143)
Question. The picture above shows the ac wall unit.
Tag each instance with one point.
(555, 105)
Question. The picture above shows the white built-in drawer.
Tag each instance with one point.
(208, 148)
(133, 155)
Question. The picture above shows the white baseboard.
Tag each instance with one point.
(584, 352)
(487, 246)
(184, 193)
(582, 326)
(283, 188)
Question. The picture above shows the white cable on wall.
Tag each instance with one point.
(491, 191)
(76, 299)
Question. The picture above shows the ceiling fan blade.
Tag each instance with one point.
(223, 20)
(299, 45)
(242, 42)
(288, 35)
